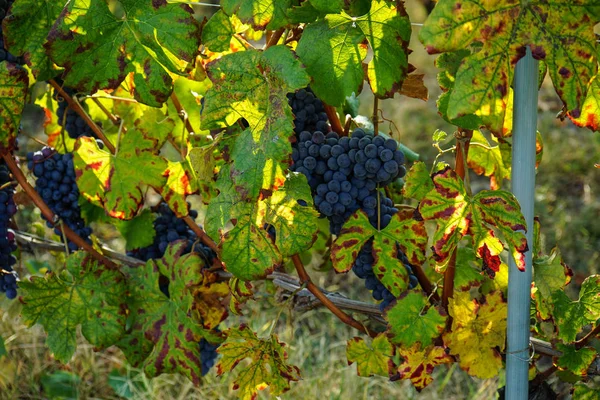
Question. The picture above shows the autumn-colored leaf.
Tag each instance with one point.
(210, 300)
(13, 89)
(419, 363)
(373, 359)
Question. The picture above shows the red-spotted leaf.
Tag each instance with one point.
(504, 29)
(458, 214)
(590, 111)
(254, 85)
(572, 316)
(241, 292)
(268, 363)
(403, 235)
(167, 322)
(115, 182)
(353, 236)
(373, 359)
(417, 182)
(210, 300)
(13, 89)
(99, 46)
(575, 361)
(419, 363)
(411, 320)
(179, 184)
(86, 294)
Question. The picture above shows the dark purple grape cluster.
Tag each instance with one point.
(5, 55)
(208, 355)
(168, 229)
(8, 208)
(308, 111)
(376, 159)
(73, 123)
(55, 183)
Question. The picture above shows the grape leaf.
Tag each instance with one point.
(572, 316)
(180, 183)
(419, 363)
(458, 214)
(254, 86)
(468, 273)
(85, 294)
(115, 182)
(409, 323)
(417, 182)
(549, 275)
(138, 232)
(590, 110)
(477, 331)
(262, 14)
(268, 366)
(486, 159)
(210, 298)
(167, 321)
(98, 47)
(354, 234)
(505, 29)
(373, 359)
(334, 48)
(3, 351)
(217, 33)
(575, 361)
(582, 391)
(13, 90)
(26, 30)
(241, 292)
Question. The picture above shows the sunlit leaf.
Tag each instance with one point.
(572, 316)
(371, 359)
(13, 89)
(575, 361)
(419, 363)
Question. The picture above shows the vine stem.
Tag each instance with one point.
(463, 138)
(584, 340)
(375, 116)
(275, 38)
(204, 238)
(334, 120)
(113, 118)
(182, 113)
(75, 106)
(345, 318)
(49, 215)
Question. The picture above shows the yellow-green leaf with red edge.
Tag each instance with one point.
(468, 270)
(571, 316)
(241, 292)
(373, 359)
(417, 182)
(116, 182)
(574, 360)
(99, 48)
(179, 184)
(404, 234)
(354, 234)
(478, 331)
(167, 322)
(411, 320)
(85, 294)
(486, 159)
(590, 111)
(268, 363)
(14, 83)
(419, 363)
(261, 14)
(457, 214)
(253, 85)
(210, 300)
(504, 29)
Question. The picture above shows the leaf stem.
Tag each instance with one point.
(334, 120)
(345, 318)
(75, 106)
(275, 38)
(204, 238)
(375, 116)
(49, 215)
(584, 340)
(117, 121)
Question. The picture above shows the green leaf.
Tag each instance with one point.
(220, 208)
(328, 6)
(254, 86)
(123, 385)
(26, 30)
(333, 50)
(584, 392)
(575, 361)
(550, 273)
(468, 272)
(572, 316)
(373, 359)
(99, 48)
(417, 182)
(13, 90)
(61, 385)
(217, 33)
(269, 14)
(458, 214)
(486, 159)
(138, 232)
(166, 321)
(115, 182)
(410, 320)
(353, 236)
(268, 366)
(3, 351)
(504, 29)
(590, 110)
(84, 294)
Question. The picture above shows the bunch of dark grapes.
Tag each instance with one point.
(168, 229)
(8, 208)
(55, 183)
(5, 54)
(73, 123)
(308, 111)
